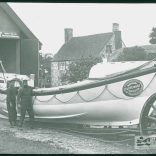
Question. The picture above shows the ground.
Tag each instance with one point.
(50, 140)
(10, 144)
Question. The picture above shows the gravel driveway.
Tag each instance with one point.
(53, 141)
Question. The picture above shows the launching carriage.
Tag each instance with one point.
(115, 94)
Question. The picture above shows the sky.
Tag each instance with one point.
(47, 21)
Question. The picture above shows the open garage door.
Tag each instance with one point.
(29, 58)
(8, 54)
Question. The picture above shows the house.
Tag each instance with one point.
(19, 47)
(74, 48)
(150, 52)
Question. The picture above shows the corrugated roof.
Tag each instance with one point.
(83, 46)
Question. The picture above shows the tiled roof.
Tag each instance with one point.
(84, 46)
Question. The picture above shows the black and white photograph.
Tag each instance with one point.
(77, 78)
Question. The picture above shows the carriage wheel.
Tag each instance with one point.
(148, 117)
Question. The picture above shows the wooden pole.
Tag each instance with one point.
(110, 80)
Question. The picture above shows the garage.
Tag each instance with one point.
(19, 47)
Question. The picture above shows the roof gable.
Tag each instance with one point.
(9, 11)
(83, 46)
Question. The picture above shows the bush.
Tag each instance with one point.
(132, 54)
(79, 70)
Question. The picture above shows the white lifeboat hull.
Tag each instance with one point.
(113, 104)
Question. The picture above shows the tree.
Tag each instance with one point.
(132, 54)
(45, 70)
(153, 36)
(79, 70)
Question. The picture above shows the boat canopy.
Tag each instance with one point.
(104, 69)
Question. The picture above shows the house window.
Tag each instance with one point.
(62, 66)
(67, 64)
(55, 65)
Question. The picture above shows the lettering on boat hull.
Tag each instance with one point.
(133, 87)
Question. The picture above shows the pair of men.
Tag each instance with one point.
(24, 101)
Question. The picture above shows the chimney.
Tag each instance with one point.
(115, 27)
(68, 34)
(117, 33)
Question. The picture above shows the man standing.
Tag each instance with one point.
(11, 103)
(24, 100)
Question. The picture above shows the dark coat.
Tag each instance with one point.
(11, 94)
(25, 95)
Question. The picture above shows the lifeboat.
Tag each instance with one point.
(115, 94)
